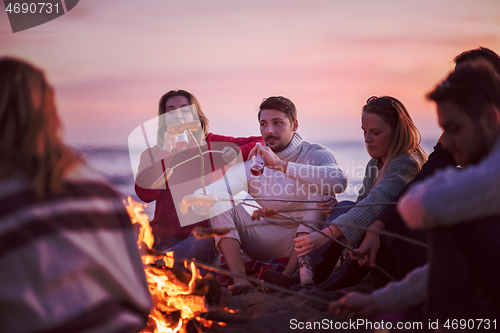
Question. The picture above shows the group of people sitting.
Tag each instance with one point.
(71, 253)
(450, 214)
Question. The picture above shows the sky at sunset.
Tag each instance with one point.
(111, 60)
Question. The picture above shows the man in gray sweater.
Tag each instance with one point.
(296, 171)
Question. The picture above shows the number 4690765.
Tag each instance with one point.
(32, 8)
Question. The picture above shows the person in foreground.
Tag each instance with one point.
(172, 230)
(412, 291)
(68, 251)
(463, 227)
(295, 169)
(392, 140)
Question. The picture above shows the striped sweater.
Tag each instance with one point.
(400, 171)
(69, 262)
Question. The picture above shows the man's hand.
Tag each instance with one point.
(270, 159)
(355, 305)
(328, 202)
(315, 240)
(369, 247)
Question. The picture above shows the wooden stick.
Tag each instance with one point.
(202, 163)
(164, 177)
(380, 269)
(335, 240)
(252, 279)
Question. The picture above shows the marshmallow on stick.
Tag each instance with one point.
(181, 127)
(194, 199)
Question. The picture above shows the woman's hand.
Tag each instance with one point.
(310, 242)
(168, 142)
(328, 202)
(369, 247)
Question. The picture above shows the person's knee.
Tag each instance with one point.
(339, 211)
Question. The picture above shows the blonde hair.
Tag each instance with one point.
(29, 128)
(406, 137)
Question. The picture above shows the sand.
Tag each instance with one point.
(259, 311)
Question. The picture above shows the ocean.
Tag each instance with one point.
(114, 163)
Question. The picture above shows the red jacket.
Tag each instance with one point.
(155, 161)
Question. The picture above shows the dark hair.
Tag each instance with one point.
(192, 101)
(472, 86)
(477, 54)
(30, 129)
(279, 103)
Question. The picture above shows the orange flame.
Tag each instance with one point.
(168, 293)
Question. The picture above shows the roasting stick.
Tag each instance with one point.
(253, 280)
(380, 269)
(380, 232)
(207, 232)
(164, 177)
(202, 162)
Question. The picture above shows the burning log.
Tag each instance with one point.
(179, 297)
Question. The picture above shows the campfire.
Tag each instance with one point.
(181, 299)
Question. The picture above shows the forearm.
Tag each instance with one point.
(404, 294)
(452, 197)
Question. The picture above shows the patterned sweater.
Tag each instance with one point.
(400, 171)
(69, 262)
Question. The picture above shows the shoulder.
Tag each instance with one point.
(318, 151)
(150, 152)
(406, 163)
(84, 190)
(211, 137)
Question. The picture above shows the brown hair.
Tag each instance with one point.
(30, 128)
(478, 54)
(162, 128)
(472, 87)
(405, 135)
(279, 103)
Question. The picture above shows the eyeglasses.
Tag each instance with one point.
(382, 101)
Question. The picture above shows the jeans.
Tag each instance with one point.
(202, 250)
(463, 258)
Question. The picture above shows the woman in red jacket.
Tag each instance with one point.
(172, 230)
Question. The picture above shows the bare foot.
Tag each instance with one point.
(240, 287)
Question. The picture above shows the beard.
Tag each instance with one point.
(483, 147)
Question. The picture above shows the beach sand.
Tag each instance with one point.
(259, 311)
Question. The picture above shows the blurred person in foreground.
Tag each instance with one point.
(458, 209)
(68, 251)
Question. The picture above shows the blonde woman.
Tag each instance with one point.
(393, 142)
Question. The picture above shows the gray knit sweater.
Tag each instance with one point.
(400, 171)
